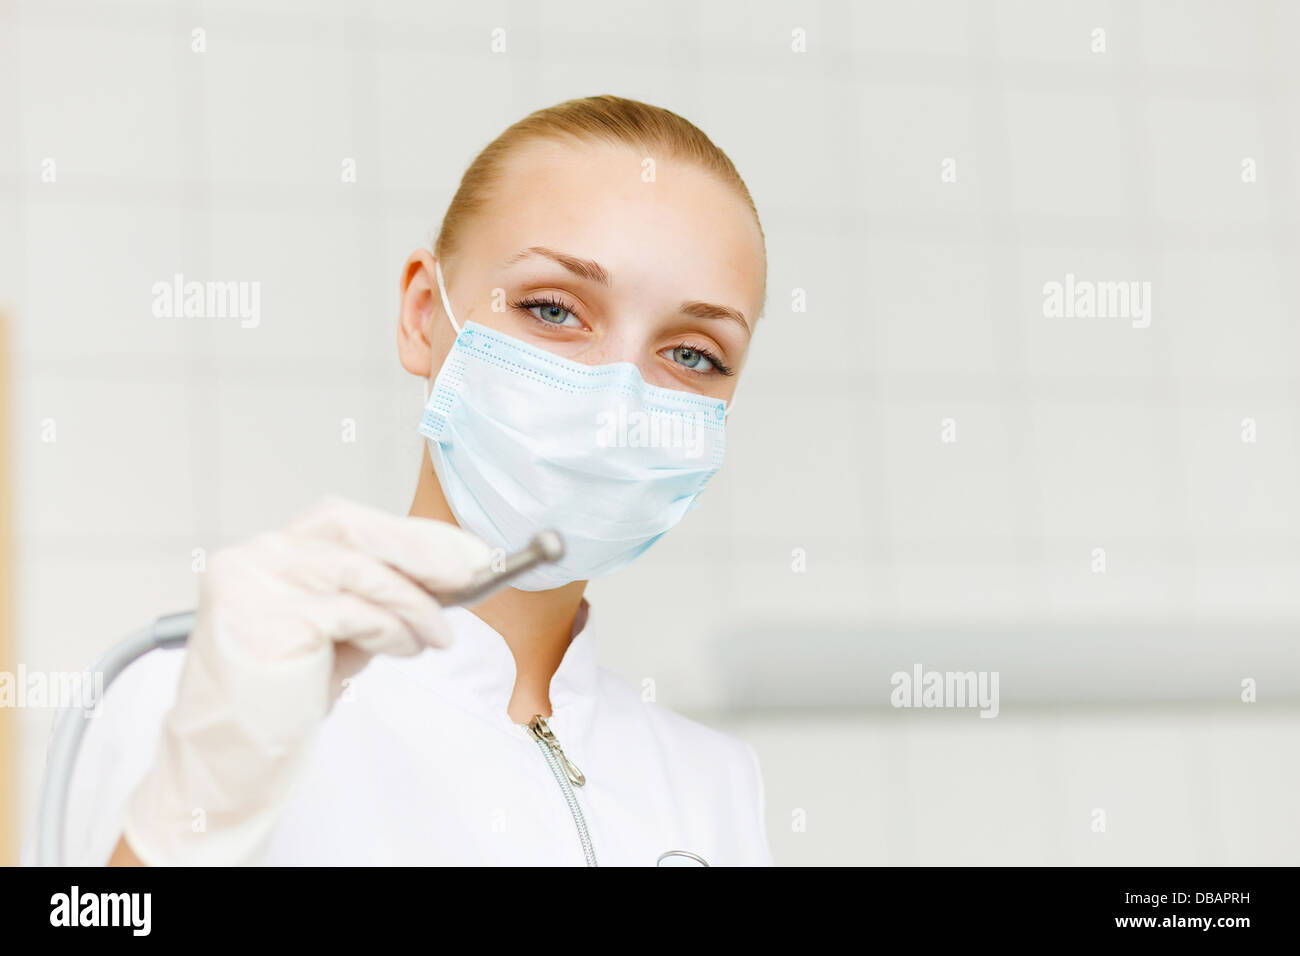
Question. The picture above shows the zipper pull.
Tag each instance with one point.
(542, 731)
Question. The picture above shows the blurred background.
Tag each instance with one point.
(924, 468)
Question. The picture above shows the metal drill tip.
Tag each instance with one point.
(545, 547)
(549, 544)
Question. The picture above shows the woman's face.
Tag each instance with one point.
(579, 255)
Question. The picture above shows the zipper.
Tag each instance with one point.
(567, 775)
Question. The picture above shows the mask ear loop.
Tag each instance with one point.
(446, 305)
(442, 291)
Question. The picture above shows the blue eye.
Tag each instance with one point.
(696, 359)
(692, 358)
(550, 311)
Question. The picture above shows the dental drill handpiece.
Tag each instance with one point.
(172, 631)
(546, 546)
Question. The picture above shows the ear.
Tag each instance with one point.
(424, 336)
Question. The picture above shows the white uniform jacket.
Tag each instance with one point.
(419, 764)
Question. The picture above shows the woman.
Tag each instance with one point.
(581, 320)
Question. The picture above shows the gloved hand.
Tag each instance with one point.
(282, 621)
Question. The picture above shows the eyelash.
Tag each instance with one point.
(555, 302)
(548, 301)
(713, 359)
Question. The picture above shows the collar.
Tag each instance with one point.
(478, 671)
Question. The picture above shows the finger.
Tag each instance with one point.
(436, 554)
(323, 567)
(346, 618)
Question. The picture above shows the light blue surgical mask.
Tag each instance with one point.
(522, 440)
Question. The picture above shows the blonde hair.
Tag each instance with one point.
(610, 119)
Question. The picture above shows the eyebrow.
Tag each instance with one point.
(594, 272)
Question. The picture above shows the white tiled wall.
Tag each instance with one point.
(1086, 787)
(924, 304)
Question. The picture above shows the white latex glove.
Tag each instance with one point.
(282, 621)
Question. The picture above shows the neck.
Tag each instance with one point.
(536, 625)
